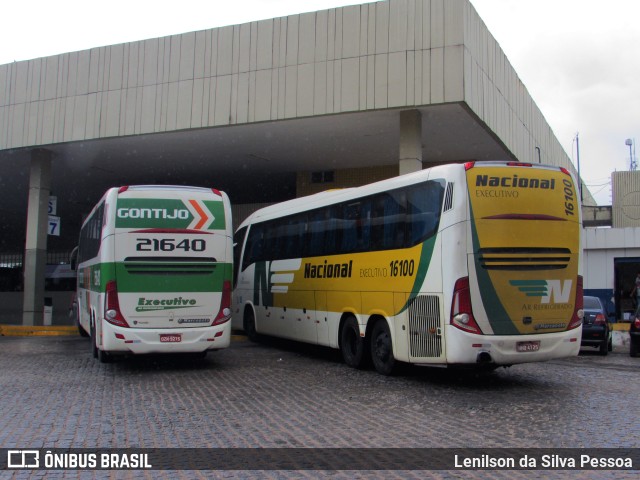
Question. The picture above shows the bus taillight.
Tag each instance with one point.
(461, 311)
(578, 311)
(112, 306)
(224, 315)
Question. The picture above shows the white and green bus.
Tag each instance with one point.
(475, 264)
(154, 271)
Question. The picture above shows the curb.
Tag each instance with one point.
(52, 331)
(620, 327)
(36, 331)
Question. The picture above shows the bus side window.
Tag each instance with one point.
(424, 205)
(294, 237)
(91, 236)
(238, 244)
(331, 233)
(395, 206)
(273, 239)
(254, 246)
(364, 225)
(348, 228)
(318, 227)
(377, 229)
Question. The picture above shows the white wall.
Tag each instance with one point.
(601, 246)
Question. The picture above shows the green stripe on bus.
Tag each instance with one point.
(96, 277)
(426, 254)
(496, 313)
(217, 210)
(172, 281)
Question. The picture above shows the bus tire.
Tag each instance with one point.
(103, 357)
(75, 317)
(92, 335)
(352, 345)
(83, 333)
(382, 349)
(249, 324)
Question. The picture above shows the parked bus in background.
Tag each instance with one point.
(154, 271)
(466, 264)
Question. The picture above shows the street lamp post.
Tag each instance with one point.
(578, 159)
(632, 163)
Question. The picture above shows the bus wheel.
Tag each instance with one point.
(382, 349)
(352, 345)
(82, 332)
(249, 325)
(94, 347)
(103, 356)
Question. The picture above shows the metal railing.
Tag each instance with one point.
(16, 260)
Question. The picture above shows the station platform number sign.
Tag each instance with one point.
(53, 225)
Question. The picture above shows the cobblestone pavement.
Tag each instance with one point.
(53, 394)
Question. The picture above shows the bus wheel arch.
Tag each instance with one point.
(249, 322)
(381, 345)
(352, 345)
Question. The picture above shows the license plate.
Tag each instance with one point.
(528, 346)
(170, 337)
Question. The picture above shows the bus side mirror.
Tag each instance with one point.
(73, 259)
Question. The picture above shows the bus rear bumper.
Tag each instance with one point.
(183, 340)
(484, 350)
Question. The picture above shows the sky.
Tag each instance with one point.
(579, 59)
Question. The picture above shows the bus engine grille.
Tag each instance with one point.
(425, 339)
(524, 258)
(170, 265)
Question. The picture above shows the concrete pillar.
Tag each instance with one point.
(410, 141)
(35, 253)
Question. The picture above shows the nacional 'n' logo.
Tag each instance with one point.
(558, 290)
(273, 277)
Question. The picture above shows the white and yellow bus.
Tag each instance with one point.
(154, 271)
(466, 264)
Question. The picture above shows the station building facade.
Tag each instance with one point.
(267, 111)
